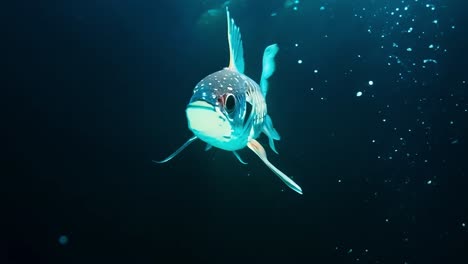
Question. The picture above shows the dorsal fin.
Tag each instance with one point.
(236, 51)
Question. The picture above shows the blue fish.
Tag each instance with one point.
(228, 109)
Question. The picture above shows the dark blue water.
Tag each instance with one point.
(369, 97)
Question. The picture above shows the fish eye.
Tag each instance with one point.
(230, 103)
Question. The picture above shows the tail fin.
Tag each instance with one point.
(268, 66)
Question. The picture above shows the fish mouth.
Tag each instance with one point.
(207, 121)
(201, 105)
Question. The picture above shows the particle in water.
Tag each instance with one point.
(63, 240)
(322, 8)
(299, 61)
(296, 45)
(430, 60)
(358, 94)
(409, 49)
(315, 71)
(429, 182)
(371, 83)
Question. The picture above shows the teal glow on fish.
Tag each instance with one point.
(228, 109)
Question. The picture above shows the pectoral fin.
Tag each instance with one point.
(271, 132)
(239, 158)
(177, 151)
(260, 151)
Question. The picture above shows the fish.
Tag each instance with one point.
(228, 110)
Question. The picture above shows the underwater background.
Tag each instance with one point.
(369, 97)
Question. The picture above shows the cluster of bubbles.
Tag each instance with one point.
(410, 37)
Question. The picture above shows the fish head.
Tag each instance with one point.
(217, 110)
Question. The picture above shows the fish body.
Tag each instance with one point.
(228, 109)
